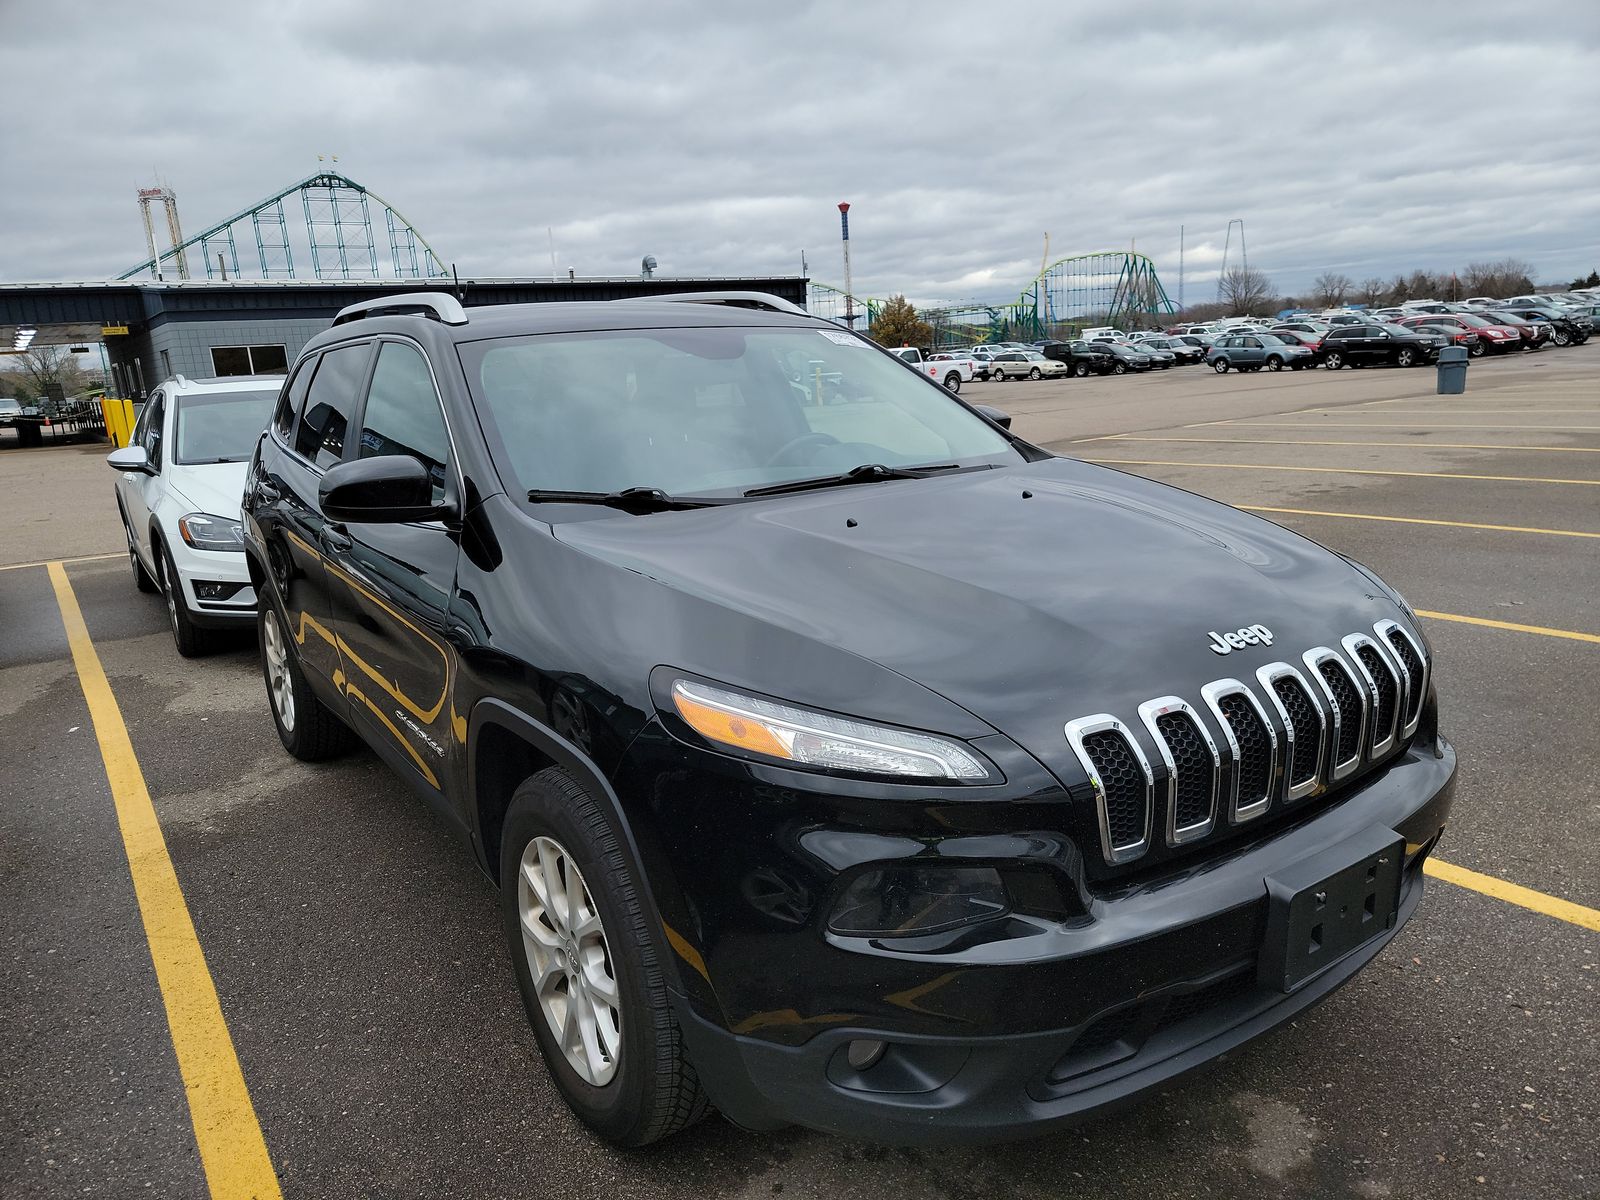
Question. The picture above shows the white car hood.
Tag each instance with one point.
(215, 488)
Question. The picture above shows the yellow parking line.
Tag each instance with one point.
(1513, 893)
(232, 1149)
(45, 562)
(1129, 437)
(1348, 516)
(1158, 462)
(1395, 425)
(1543, 630)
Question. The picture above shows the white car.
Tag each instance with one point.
(179, 483)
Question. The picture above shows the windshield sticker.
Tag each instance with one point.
(841, 339)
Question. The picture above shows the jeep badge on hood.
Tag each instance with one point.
(1249, 635)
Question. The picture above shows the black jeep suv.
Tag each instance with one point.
(840, 757)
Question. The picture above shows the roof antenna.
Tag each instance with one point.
(461, 297)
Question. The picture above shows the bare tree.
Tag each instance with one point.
(1503, 278)
(1246, 291)
(1371, 290)
(51, 371)
(1332, 289)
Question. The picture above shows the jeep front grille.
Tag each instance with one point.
(1293, 733)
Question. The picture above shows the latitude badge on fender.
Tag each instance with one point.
(1247, 635)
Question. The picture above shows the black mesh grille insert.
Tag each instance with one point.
(1195, 767)
(1124, 784)
(1348, 701)
(1388, 691)
(1255, 749)
(1307, 724)
(1408, 655)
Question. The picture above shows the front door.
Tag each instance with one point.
(138, 489)
(391, 583)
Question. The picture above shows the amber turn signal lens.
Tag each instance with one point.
(727, 728)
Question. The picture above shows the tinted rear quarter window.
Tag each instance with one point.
(329, 403)
(290, 399)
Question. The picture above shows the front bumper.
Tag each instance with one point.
(1010, 1039)
(216, 584)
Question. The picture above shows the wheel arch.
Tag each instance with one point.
(505, 746)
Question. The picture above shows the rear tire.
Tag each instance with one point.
(192, 641)
(1334, 361)
(1220, 366)
(952, 382)
(141, 577)
(306, 726)
(647, 1088)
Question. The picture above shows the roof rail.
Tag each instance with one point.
(761, 300)
(439, 306)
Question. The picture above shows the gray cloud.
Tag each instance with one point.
(719, 136)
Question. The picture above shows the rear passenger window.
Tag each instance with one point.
(329, 403)
(402, 414)
(291, 398)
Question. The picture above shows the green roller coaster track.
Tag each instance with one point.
(337, 230)
(1108, 287)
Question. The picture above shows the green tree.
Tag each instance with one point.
(899, 325)
(1592, 280)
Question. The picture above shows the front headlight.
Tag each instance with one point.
(803, 737)
(202, 531)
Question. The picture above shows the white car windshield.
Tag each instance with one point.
(712, 411)
(221, 426)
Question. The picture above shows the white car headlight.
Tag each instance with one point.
(202, 531)
(806, 738)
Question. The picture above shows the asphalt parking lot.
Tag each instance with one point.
(360, 974)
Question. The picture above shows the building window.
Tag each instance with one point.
(249, 360)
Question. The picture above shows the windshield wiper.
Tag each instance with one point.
(633, 499)
(866, 473)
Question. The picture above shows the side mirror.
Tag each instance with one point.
(1002, 419)
(129, 458)
(390, 489)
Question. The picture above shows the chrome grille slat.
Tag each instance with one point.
(1123, 782)
(1303, 742)
(1192, 763)
(1252, 747)
(1413, 662)
(1346, 705)
(1386, 688)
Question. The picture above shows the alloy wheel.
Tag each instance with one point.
(570, 961)
(279, 684)
(1034, 374)
(1220, 366)
(169, 590)
(1404, 359)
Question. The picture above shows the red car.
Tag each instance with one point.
(1490, 335)
(1451, 326)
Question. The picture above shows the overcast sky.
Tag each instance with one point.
(1369, 138)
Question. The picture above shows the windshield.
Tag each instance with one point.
(221, 426)
(1504, 318)
(704, 411)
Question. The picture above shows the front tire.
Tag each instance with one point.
(192, 641)
(1274, 363)
(1478, 349)
(1120, 369)
(1561, 338)
(588, 966)
(1405, 358)
(1036, 374)
(1081, 370)
(307, 728)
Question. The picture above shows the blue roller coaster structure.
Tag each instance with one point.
(337, 231)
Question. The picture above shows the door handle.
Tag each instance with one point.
(336, 539)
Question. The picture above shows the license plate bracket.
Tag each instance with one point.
(1328, 904)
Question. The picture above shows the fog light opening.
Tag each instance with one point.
(863, 1053)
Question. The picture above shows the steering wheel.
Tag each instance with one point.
(793, 444)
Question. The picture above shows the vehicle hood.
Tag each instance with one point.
(1029, 596)
(215, 488)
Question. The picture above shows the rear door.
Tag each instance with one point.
(390, 584)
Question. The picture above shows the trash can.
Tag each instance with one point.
(1452, 371)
